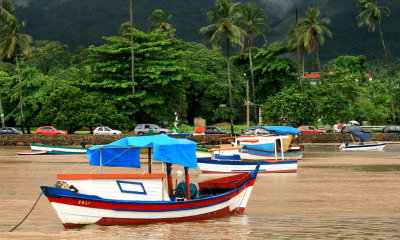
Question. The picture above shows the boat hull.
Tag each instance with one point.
(58, 149)
(79, 209)
(207, 165)
(365, 147)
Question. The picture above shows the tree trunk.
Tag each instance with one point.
(319, 64)
(388, 73)
(230, 85)
(1, 113)
(132, 55)
(253, 86)
(298, 55)
(20, 92)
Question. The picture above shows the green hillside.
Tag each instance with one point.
(84, 22)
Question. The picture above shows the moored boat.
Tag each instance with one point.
(108, 199)
(208, 165)
(58, 149)
(361, 146)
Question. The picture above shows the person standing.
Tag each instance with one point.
(335, 128)
(339, 126)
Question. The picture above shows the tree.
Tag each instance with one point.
(11, 44)
(312, 30)
(225, 26)
(208, 87)
(160, 76)
(159, 20)
(132, 47)
(290, 107)
(371, 15)
(253, 23)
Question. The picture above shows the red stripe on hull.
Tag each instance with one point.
(147, 206)
(241, 210)
(125, 221)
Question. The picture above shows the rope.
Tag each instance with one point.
(28, 212)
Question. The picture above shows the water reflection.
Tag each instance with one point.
(334, 195)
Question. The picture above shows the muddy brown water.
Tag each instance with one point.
(334, 195)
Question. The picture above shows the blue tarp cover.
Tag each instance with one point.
(125, 152)
(280, 129)
(364, 137)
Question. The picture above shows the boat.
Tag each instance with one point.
(31, 152)
(52, 149)
(361, 146)
(208, 165)
(273, 151)
(122, 199)
(275, 146)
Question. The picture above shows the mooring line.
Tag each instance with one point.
(28, 212)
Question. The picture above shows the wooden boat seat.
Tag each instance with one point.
(230, 182)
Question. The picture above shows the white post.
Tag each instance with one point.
(101, 160)
(283, 158)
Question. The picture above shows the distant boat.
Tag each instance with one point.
(361, 146)
(31, 152)
(58, 149)
(121, 199)
(208, 165)
(275, 146)
(273, 152)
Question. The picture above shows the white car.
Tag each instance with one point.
(105, 131)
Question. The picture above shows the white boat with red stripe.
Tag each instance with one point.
(121, 199)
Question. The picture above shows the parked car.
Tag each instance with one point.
(106, 131)
(305, 129)
(9, 130)
(325, 127)
(214, 130)
(49, 130)
(350, 128)
(247, 130)
(391, 129)
(255, 131)
(148, 129)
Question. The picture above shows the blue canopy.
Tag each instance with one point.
(280, 129)
(125, 152)
(364, 137)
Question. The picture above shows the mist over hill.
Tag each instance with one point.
(85, 22)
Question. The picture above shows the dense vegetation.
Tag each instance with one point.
(92, 85)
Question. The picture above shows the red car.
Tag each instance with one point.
(49, 130)
(305, 129)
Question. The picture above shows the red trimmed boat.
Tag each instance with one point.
(121, 199)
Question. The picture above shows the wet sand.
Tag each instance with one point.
(334, 195)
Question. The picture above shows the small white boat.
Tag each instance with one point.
(58, 149)
(361, 146)
(31, 152)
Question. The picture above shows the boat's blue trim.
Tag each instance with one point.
(170, 210)
(59, 192)
(235, 162)
(132, 183)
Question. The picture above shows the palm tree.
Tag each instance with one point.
(159, 20)
(132, 55)
(11, 43)
(312, 30)
(296, 43)
(253, 22)
(371, 15)
(224, 28)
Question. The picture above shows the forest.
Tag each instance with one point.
(44, 82)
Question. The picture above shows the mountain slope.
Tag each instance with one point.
(84, 22)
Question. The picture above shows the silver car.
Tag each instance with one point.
(106, 131)
(149, 129)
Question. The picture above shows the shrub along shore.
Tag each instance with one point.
(211, 139)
